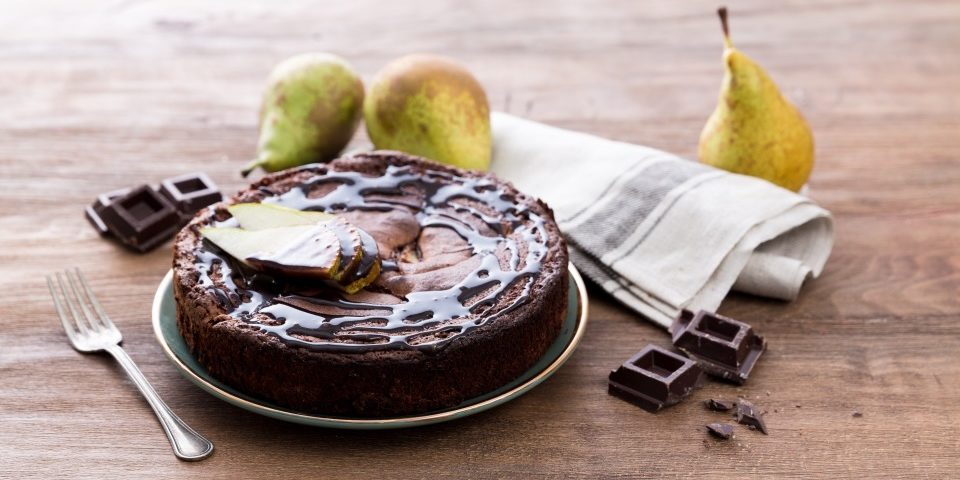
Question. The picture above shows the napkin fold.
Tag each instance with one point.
(658, 232)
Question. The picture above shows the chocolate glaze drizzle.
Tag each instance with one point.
(423, 319)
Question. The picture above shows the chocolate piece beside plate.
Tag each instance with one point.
(655, 378)
(721, 430)
(191, 192)
(142, 219)
(94, 211)
(748, 415)
(724, 347)
(144, 222)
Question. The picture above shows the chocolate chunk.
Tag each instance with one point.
(721, 430)
(719, 405)
(142, 219)
(748, 415)
(724, 347)
(94, 211)
(191, 192)
(655, 378)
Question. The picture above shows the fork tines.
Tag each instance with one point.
(82, 316)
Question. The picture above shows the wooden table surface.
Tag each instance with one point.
(109, 94)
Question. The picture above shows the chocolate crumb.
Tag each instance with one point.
(721, 430)
(719, 405)
(748, 415)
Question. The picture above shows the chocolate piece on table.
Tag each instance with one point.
(748, 415)
(721, 430)
(724, 347)
(142, 219)
(191, 192)
(94, 211)
(655, 378)
(719, 405)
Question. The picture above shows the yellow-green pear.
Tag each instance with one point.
(310, 111)
(432, 107)
(755, 130)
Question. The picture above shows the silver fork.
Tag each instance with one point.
(91, 330)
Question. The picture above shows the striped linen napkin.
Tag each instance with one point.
(661, 233)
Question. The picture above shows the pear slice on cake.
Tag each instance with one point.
(309, 251)
(351, 244)
(258, 216)
(367, 270)
(297, 242)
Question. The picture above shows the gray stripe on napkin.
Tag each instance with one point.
(614, 222)
(608, 190)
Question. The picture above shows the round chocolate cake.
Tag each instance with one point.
(471, 291)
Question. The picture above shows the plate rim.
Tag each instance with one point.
(372, 423)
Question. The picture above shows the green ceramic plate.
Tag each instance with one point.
(165, 327)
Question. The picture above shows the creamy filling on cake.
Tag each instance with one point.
(456, 252)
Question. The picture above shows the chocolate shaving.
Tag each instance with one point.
(748, 415)
(719, 405)
(721, 430)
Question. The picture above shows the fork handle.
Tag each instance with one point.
(187, 444)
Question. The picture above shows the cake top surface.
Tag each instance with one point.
(459, 250)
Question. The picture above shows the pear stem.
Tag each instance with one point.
(250, 167)
(722, 12)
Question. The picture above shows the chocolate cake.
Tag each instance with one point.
(472, 292)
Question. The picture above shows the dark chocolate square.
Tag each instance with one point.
(141, 219)
(190, 192)
(94, 211)
(726, 348)
(655, 378)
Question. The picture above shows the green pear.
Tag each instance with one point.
(310, 111)
(310, 251)
(432, 107)
(754, 129)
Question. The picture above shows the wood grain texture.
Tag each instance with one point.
(111, 93)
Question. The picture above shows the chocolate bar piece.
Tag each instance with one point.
(191, 192)
(721, 430)
(718, 405)
(655, 378)
(142, 219)
(94, 211)
(748, 415)
(724, 347)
